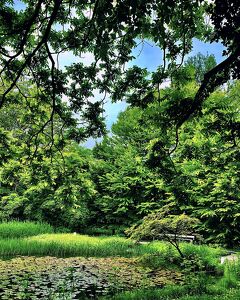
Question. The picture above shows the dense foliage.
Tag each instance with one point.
(146, 165)
(54, 187)
(168, 168)
(149, 166)
(143, 167)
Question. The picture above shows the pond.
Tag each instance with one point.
(75, 278)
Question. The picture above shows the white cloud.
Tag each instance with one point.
(165, 84)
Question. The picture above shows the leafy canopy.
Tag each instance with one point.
(34, 39)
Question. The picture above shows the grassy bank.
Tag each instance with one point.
(28, 238)
(177, 293)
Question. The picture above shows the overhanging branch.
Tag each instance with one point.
(212, 79)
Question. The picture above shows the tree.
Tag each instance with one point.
(127, 187)
(208, 155)
(201, 64)
(27, 115)
(137, 174)
(41, 180)
(48, 189)
(162, 225)
(126, 183)
(197, 175)
(34, 38)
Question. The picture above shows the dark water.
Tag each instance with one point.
(77, 282)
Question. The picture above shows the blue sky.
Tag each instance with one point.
(19, 4)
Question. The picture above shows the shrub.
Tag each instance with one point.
(164, 226)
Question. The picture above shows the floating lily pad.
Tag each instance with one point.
(51, 278)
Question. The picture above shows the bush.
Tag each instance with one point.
(163, 225)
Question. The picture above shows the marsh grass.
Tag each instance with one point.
(159, 254)
(188, 248)
(231, 278)
(206, 256)
(15, 229)
(66, 245)
(29, 238)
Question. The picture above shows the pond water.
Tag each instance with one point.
(74, 283)
(50, 278)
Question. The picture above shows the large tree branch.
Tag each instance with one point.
(54, 90)
(212, 79)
